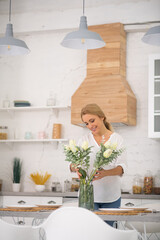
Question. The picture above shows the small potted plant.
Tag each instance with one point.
(39, 179)
(17, 172)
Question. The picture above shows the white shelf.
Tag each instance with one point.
(33, 140)
(11, 111)
(33, 108)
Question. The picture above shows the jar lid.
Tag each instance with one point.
(66, 181)
(57, 182)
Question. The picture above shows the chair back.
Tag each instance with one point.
(17, 232)
(79, 223)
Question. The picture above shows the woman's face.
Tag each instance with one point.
(93, 123)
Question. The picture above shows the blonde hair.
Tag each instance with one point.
(96, 110)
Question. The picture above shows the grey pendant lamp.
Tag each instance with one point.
(83, 38)
(10, 45)
(152, 36)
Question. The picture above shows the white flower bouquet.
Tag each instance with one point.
(80, 157)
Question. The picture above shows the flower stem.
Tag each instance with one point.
(92, 175)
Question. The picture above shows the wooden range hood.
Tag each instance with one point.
(106, 82)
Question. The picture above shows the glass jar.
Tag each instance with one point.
(137, 185)
(67, 186)
(75, 185)
(148, 183)
(58, 187)
(157, 183)
(53, 187)
(3, 132)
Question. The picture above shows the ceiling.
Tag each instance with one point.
(57, 5)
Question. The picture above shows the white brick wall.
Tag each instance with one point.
(52, 67)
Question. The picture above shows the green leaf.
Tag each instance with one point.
(83, 172)
(17, 168)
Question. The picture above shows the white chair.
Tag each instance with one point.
(17, 232)
(146, 229)
(81, 224)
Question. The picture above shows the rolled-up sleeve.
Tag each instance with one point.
(121, 161)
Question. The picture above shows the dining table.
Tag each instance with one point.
(42, 213)
(39, 214)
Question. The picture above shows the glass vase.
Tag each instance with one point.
(86, 195)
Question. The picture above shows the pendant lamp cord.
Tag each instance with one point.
(9, 10)
(83, 7)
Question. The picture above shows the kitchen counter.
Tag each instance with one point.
(141, 196)
(75, 195)
(41, 194)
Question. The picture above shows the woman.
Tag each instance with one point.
(107, 191)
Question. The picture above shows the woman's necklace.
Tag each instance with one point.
(103, 139)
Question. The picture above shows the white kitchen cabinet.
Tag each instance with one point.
(154, 97)
(27, 200)
(130, 203)
(150, 201)
(137, 202)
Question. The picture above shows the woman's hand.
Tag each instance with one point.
(117, 171)
(78, 173)
(100, 174)
(73, 168)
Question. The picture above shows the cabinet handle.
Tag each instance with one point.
(21, 202)
(51, 202)
(129, 204)
(21, 223)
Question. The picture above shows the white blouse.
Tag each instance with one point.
(107, 189)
